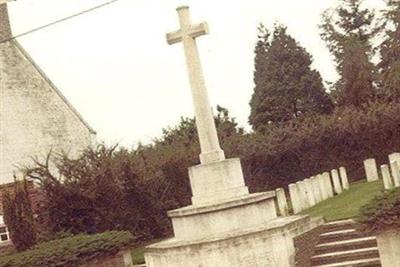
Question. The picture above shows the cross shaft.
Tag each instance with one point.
(209, 143)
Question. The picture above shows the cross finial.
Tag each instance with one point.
(210, 148)
(186, 30)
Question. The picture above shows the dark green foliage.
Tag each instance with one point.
(110, 188)
(357, 88)
(152, 179)
(348, 32)
(95, 193)
(312, 145)
(70, 251)
(285, 85)
(382, 213)
(18, 216)
(389, 65)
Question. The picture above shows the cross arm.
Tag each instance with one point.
(193, 31)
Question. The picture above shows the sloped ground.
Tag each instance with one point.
(347, 204)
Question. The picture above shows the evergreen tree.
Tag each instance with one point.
(348, 32)
(18, 216)
(389, 65)
(357, 76)
(285, 85)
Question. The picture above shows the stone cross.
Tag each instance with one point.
(209, 143)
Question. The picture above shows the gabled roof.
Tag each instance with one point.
(52, 85)
(6, 35)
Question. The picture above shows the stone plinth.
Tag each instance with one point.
(267, 245)
(389, 248)
(217, 181)
(196, 222)
(371, 170)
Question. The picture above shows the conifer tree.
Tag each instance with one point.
(389, 65)
(18, 216)
(348, 32)
(285, 85)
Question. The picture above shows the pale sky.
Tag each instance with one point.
(117, 70)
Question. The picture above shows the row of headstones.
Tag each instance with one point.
(309, 192)
(390, 173)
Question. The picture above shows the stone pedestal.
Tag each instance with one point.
(269, 244)
(217, 181)
(226, 226)
(389, 248)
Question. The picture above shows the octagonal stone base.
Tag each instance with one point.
(267, 245)
(195, 222)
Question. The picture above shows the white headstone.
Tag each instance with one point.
(282, 202)
(310, 192)
(343, 178)
(316, 189)
(395, 166)
(387, 178)
(328, 183)
(295, 198)
(371, 171)
(303, 195)
(395, 157)
(322, 187)
(337, 187)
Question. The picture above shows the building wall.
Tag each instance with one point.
(34, 116)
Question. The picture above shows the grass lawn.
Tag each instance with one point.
(347, 204)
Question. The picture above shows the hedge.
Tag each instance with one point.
(69, 252)
(382, 213)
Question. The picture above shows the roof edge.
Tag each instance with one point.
(53, 86)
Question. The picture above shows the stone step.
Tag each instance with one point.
(340, 235)
(339, 225)
(373, 262)
(343, 256)
(343, 245)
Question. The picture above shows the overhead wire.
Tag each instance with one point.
(59, 21)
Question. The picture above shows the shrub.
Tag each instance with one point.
(110, 188)
(70, 251)
(18, 216)
(382, 213)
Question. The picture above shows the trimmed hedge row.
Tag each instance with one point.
(382, 213)
(69, 252)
